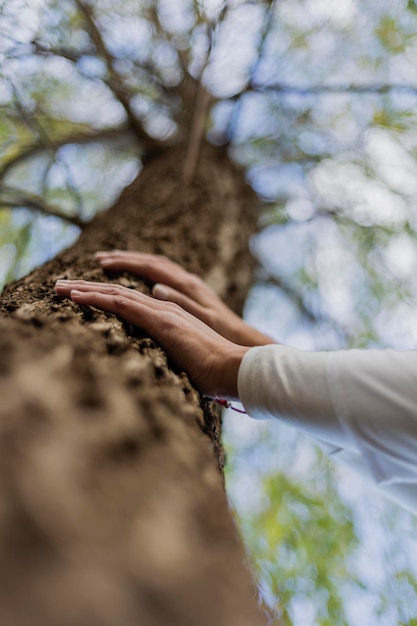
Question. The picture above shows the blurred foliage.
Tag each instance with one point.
(300, 540)
(327, 550)
(13, 243)
(317, 100)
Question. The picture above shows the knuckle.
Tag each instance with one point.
(121, 302)
(146, 265)
(162, 258)
(193, 281)
(116, 290)
(165, 263)
(192, 278)
(169, 318)
(173, 308)
(210, 319)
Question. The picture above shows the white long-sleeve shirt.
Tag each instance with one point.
(360, 404)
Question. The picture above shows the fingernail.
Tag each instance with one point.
(161, 292)
(101, 253)
(75, 292)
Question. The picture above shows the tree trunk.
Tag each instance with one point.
(112, 503)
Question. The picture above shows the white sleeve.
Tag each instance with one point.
(362, 403)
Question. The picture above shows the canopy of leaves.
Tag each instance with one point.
(317, 100)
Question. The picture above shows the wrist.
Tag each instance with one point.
(231, 364)
(248, 336)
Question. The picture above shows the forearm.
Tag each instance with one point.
(289, 384)
(246, 335)
(359, 400)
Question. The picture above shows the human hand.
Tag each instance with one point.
(175, 284)
(211, 361)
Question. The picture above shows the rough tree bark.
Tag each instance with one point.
(112, 503)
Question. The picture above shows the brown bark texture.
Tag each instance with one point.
(112, 503)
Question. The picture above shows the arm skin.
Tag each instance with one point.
(174, 284)
(198, 331)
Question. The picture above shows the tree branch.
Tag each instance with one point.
(38, 130)
(202, 104)
(295, 295)
(203, 100)
(187, 89)
(197, 130)
(270, 279)
(77, 138)
(115, 81)
(21, 199)
(149, 72)
(70, 55)
(329, 89)
(237, 108)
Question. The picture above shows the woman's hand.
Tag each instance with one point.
(211, 361)
(174, 284)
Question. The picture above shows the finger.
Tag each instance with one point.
(121, 257)
(150, 267)
(109, 253)
(165, 293)
(65, 287)
(89, 285)
(134, 312)
(156, 268)
(153, 316)
(135, 261)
